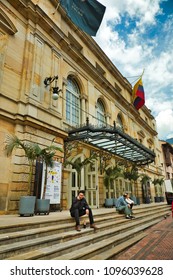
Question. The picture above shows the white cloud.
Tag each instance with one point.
(164, 122)
(132, 51)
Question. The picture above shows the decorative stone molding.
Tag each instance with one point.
(7, 24)
(141, 134)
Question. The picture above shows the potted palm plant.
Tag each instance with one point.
(26, 203)
(145, 180)
(155, 183)
(32, 152)
(111, 174)
(160, 182)
(158, 189)
(132, 175)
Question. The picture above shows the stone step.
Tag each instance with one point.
(115, 250)
(105, 244)
(59, 244)
(17, 223)
(106, 221)
(11, 237)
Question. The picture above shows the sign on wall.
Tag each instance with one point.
(53, 184)
(168, 186)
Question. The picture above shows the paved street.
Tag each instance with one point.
(157, 245)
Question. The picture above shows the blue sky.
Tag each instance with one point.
(137, 35)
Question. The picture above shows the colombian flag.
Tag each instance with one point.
(138, 94)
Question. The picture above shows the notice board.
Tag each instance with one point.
(53, 183)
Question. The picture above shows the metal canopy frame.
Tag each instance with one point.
(113, 140)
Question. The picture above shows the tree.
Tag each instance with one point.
(32, 152)
(145, 180)
(131, 173)
(111, 174)
(78, 165)
(158, 181)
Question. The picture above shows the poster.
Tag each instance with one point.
(168, 186)
(53, 185)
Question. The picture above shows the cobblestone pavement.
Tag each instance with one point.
(157, 245)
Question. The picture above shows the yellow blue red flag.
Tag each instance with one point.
(138, 94)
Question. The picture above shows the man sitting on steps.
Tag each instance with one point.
(123, 206)
(80, 208)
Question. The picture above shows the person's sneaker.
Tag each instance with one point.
(78, 228)
(128, 217)
(132, 217)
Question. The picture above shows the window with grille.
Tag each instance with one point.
(72, 102)
(100, 113)
(119, 122)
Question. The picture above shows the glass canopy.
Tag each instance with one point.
(113, 140)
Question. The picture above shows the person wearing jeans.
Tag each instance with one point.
(80, 208)
(123, 206)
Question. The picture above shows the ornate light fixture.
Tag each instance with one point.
(55, 89)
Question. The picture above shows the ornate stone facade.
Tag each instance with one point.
(37, 40)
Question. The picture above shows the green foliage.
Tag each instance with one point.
(131, 173)
(78, 165)
(145, 178)
(158, 181)
(111, 174)
(32, 152)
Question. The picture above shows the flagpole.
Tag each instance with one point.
(142, 73)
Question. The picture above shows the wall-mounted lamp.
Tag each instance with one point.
(55, 89)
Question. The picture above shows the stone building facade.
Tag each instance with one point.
(38, 41)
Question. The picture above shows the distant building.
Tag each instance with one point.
(167, 159)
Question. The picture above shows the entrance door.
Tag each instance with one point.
(91, 186)
(76, 183)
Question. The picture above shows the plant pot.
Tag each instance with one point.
(138, 201)
(157, 199)
(133, 197)
(27, 205)
(42, 206)
(109, 202)
(114, 201)
(147, 200)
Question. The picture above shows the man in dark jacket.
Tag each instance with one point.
(80, 208)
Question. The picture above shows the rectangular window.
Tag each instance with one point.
(72, 108)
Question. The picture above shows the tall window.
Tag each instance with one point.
(72, 102)
(119, 122)
(100, 113)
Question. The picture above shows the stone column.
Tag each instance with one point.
(83, 108)
(64, 86)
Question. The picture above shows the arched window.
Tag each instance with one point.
(72, 102)
(119, 122)
(101, 120)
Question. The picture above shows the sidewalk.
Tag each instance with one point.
(157, 245)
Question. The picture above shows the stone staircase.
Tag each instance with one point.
(54, 237)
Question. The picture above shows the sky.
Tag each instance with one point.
(137, 35)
